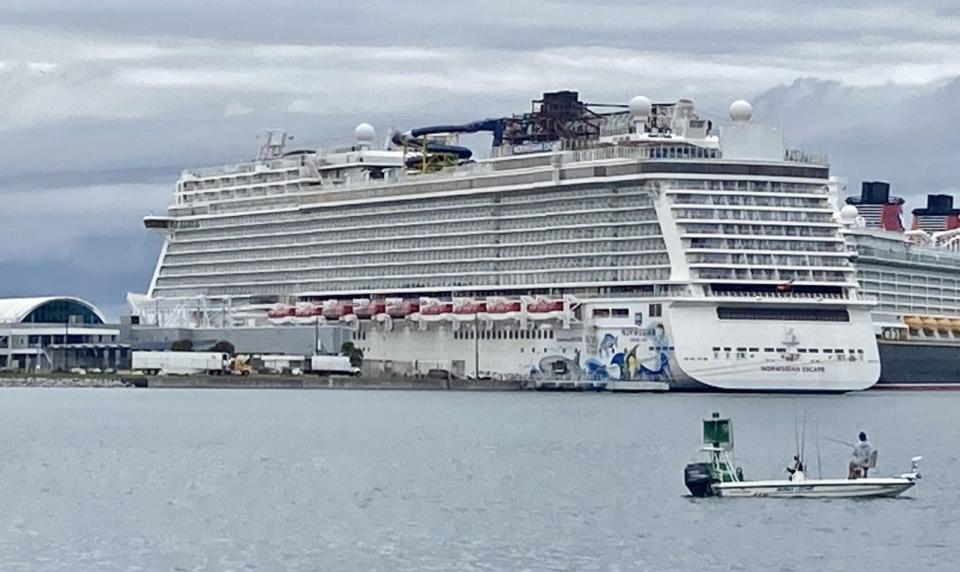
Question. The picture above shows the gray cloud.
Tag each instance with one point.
(902, 134)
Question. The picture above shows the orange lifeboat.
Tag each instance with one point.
(914, 322)
(545, 306)
(334, 310)
(504, 307)
(435, 310)
(306, 310)
(365, 309)
(362, 309)
(403, 308)
(472, 307)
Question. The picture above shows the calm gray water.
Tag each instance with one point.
(366, 480)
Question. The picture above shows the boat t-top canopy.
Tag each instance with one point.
(717, 433)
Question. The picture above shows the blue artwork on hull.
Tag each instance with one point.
(608, 345)
(633, 364)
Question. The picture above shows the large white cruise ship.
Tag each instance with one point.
(639, 242)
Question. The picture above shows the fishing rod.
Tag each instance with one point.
(803, 437)
(796, 437)
(816, 429)
(840, 442)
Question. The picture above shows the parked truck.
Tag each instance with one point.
(239, 365)
(332, 365)
(180, 363)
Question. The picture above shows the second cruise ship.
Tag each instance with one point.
(626, 243)
(914, 274)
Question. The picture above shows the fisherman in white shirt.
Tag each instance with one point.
(861, 457)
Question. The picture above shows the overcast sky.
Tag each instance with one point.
(102, 103)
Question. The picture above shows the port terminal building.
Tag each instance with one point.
(53, 333)
(296, 340)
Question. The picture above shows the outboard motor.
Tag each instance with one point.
(698, 479)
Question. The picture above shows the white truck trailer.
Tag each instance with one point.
(180, 363)
(332, 365)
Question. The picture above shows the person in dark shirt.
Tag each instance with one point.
(796, 469)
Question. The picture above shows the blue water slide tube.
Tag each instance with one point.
(413, 137)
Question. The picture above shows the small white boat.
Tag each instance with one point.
(719, 476)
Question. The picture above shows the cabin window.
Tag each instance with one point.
(601, 312)
(655, 310)
(620, 312)
(784, 314)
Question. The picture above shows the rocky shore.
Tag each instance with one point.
(65, 381)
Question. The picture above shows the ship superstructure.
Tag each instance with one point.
(644, 243)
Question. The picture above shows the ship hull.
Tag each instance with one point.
(687, 347)
(918, 364)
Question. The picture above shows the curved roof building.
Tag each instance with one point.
(56, 332)
(49, 310)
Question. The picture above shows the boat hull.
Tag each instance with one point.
(817, 488)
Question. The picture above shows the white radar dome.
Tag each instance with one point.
(365, 133)
(741, 110)
(640, 106)
(848, 214)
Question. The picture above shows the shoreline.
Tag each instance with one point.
(311, 382)
(259, 382)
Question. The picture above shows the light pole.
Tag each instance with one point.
(66, 349)
(476, 347)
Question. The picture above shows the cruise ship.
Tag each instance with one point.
(914, 274)
(622, 242)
